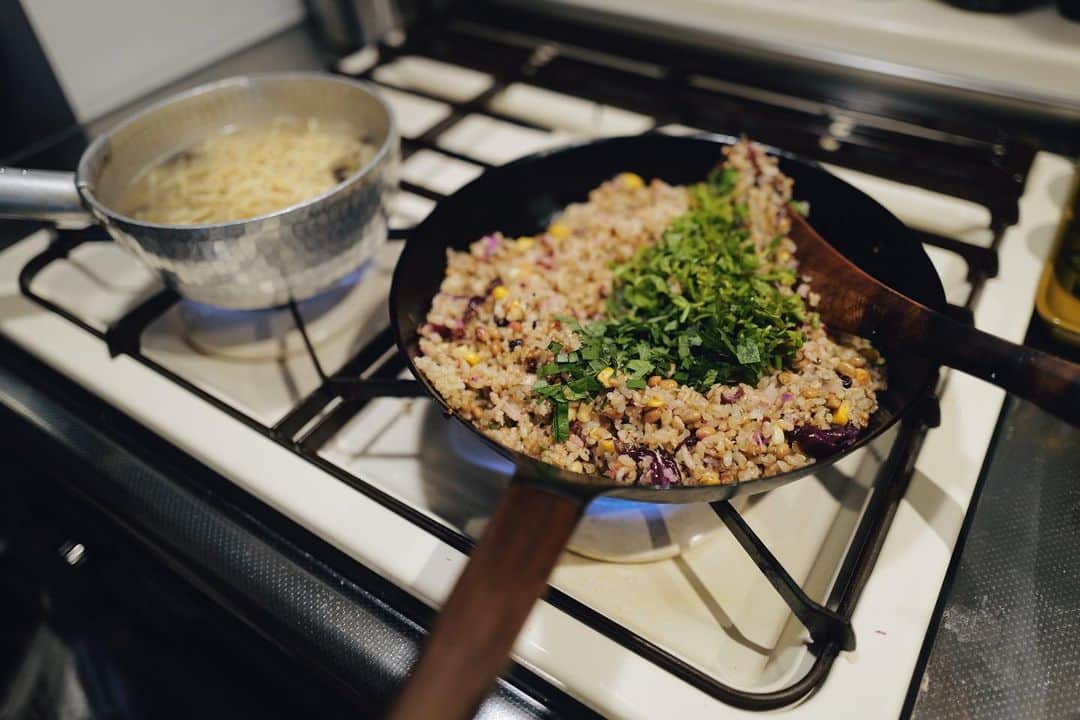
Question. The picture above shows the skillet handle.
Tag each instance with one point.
(474, 633)
(1050, 382)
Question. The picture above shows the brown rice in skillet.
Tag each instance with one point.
(496, 317)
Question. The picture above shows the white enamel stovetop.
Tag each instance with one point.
(709, 605)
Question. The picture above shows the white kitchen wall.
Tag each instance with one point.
(107, 52)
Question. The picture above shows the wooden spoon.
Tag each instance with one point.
(853, 301)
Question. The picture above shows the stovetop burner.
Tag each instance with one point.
(430, 473)
(272, 333)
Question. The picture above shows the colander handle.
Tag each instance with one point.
(42, 195)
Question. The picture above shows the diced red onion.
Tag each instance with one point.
(474, 305)
(491, 245)
(441, 330)
(727, 398)
(821, 443)
(689, 442)
(663, 468)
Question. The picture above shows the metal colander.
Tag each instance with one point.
(291, 254)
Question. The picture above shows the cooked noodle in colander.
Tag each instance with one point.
(247, 173)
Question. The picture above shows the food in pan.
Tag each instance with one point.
(652, 335)
(248, 172)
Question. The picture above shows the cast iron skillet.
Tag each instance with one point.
(509, 568)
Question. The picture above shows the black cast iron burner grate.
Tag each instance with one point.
(669, 93)
(374, 372)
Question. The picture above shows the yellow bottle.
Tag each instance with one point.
(1058, 299)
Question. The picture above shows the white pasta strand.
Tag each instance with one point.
(247, 173)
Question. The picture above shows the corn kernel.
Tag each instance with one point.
(515, 312)
(654, 402)
(631, 181)
(842, 414)
(584, 412)
(607, 446)
(653, 416)
(846, 368)
(597, 433)
(669, 384)
(703, 432)
(783, 256)
(872, 355)
(710, 478)
(604, 376)
(861, 376)
(654, 380)
(559, 231)
(524, 243)
(472, 358)
(832, 402)
(501, 292)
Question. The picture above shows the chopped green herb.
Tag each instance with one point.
(562, 421)
(702, 306)
(549, 369)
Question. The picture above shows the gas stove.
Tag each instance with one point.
(813, 599)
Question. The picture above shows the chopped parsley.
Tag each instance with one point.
(702, 306)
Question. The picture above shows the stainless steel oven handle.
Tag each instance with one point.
(41, 195)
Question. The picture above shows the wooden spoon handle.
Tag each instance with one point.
(473, 635)
(1050, 382)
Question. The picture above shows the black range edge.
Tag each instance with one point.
(348, 625)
